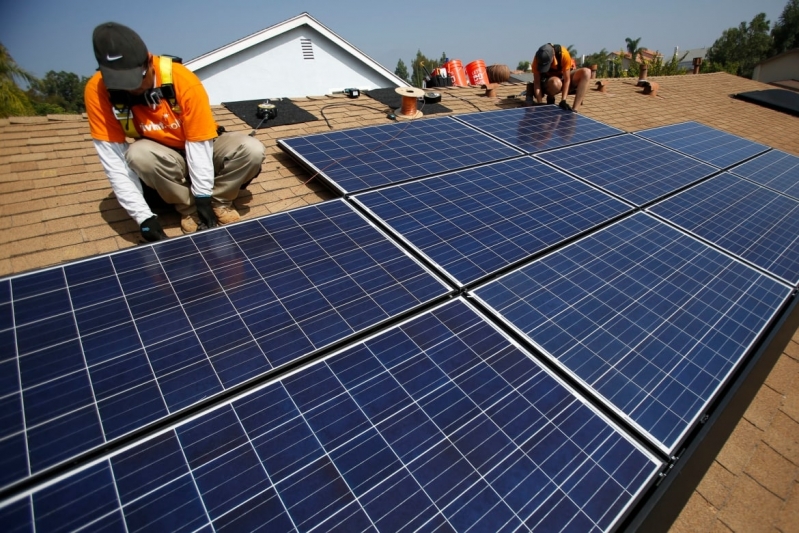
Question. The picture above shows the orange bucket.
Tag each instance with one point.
(477, 73)
(455, 70)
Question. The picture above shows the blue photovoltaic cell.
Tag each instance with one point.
(437, 424)
(476, 221)
(635, 169)
(774, 169)
(534, 129)
(652, 320)
(750, 221)
(707, 144)
(99, 348)
(363, 158)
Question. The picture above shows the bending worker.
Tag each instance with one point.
(177, 152)
(553, 74)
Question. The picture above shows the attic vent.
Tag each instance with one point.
(307, 48)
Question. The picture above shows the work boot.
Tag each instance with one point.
(226, 214)
(189, 223)
(550, 99)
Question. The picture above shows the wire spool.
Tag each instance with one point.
(498, 73)
(410, 95)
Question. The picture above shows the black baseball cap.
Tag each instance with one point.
(544, 57)
(121, 54)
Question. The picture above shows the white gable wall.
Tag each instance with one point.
(276, 68)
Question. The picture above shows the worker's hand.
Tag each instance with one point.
(204, 211)
(151, 230)
(564, 105)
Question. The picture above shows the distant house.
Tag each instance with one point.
(626, 57)
(686, 57)
(297, 57)
(780, 68)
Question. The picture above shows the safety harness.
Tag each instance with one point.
(123, 101)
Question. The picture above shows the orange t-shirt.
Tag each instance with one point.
(557, 69)
(190, 120)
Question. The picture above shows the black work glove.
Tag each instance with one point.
(565, 105)
(204, 211)
(151, 230)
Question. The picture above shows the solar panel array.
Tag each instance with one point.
(652, 320)
(103, 347)
(634, 169)
(750, 221)
(439, 423)
(301, 371)
(775, 169)
(474, 222)
(364, 158)
(707, 144)
(535, 129)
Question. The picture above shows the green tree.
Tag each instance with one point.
(601, 60)
(13, 100)
(402, 70)
(633, 69)
(523, 66)
(61, 89)
(746, 45)
(421, 66)
(658, 67)
(785, 33)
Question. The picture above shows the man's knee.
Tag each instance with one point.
(554, 85)
(255, 151)
(581, 75)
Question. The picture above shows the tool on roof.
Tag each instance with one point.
(264, 111)
(351, 92)
(432, 97)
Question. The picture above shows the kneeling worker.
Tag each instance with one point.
(177, 152)
(553, 74)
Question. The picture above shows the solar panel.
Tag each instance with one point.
(534, 129)
(637, 170)
(474, 222)
(439, 423)
(774, 169)
(651, 320)
(99, 348)
(707, 144)
(363, 158)
(750, 221)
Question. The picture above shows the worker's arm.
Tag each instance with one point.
(128, 189)
(567, 79)
(200, 157)
(537, 93)
(124, 181)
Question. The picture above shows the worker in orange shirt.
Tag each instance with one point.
(553, 73)
(177, 151)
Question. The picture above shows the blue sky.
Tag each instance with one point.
(44, 35)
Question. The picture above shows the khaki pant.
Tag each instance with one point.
(237, 159)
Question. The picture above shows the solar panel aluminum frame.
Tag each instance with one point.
(532, 127)
(442, 270)
(88, 454)
(652, 210)
(625, 514)
(715, 170)
(664, 503)
(640, 134)
(581, 385)
(317, 173)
